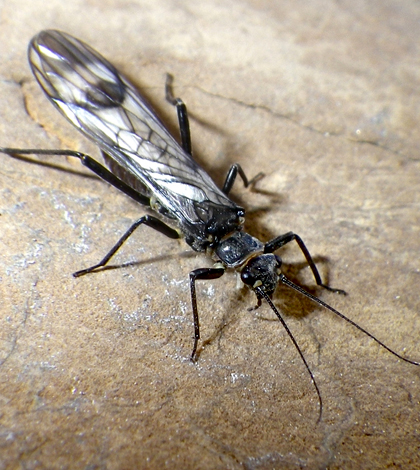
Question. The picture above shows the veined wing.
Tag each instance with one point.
(95, 98)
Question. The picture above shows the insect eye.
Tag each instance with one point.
(247, 277)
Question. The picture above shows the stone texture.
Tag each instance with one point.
(321, 96)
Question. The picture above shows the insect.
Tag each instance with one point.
(146, 163)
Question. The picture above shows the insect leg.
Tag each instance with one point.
(202, 273)
(148, 220)
(233, 173)
(88, 162)
(184, 124)
(282, 240)
(184, 128)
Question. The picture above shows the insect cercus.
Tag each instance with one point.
(146, 163)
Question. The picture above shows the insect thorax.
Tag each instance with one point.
(237, 249)
(214, 223)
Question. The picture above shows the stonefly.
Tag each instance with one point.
(146, 163)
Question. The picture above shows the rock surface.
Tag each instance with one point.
(324, 98)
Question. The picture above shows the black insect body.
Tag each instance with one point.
(147, 164)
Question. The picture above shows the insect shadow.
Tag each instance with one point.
(54, 166)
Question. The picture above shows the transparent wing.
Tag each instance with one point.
(101, 103)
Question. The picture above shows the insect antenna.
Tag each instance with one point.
(261, 293)
(289, 283)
